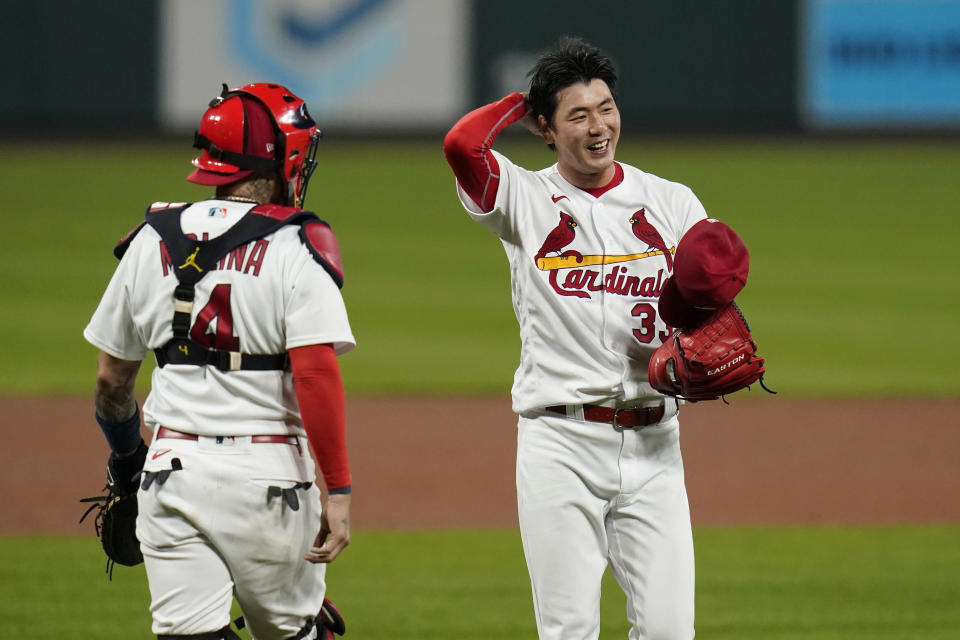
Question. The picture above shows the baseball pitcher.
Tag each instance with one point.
(238, 297)
(591, 244)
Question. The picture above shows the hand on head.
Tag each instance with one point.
(530, 121)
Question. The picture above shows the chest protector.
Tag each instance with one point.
(192, 259)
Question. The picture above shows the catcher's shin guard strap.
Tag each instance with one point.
(221, 634)
(328, 623)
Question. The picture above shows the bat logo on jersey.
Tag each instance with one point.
(217, 212)
(579, 281)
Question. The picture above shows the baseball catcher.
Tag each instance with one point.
(713, 352)
(237, 296)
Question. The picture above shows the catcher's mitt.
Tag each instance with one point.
(709, 361)
(116, 519)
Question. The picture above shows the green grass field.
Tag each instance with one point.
(853, 291)
(896, 583)
(853, 258)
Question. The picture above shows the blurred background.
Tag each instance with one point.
(413, 66)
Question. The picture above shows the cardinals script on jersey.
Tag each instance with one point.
(600, 263)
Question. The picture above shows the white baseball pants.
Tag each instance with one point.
(212, 531)
(590, 496)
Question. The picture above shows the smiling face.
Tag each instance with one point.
(585, 131)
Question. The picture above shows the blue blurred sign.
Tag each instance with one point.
(361, 64)
(326, 53)
(881, 62)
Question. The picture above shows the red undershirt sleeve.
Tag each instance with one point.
(467, 148)
(316, 377)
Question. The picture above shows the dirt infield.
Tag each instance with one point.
(424, 463)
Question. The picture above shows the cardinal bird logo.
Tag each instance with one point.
(648, 233)
(562, 235)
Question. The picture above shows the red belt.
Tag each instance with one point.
(619, 418)
(166, 432)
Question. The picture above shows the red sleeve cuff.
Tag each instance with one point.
(316, 377)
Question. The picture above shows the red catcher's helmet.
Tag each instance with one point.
(258, 127)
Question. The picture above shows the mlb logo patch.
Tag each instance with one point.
(217, 212)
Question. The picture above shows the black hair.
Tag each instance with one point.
(572, 60)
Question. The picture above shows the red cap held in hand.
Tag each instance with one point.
(709, 270)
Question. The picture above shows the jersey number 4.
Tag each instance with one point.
(217, 309)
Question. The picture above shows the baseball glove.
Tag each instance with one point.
(116, 519)
(709, 361)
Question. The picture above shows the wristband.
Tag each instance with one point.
(122, 437)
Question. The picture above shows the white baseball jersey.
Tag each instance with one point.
(269, 295)
(588, 320)
(226, 516)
